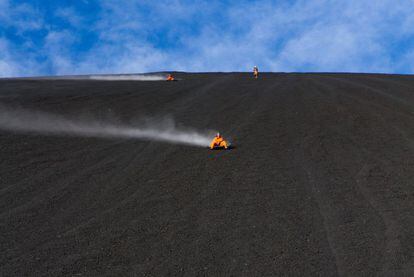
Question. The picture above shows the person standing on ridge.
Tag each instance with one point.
(255, 72)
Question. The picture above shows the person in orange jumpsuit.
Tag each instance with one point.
(218, 141)
(255, 72)
(170, 77)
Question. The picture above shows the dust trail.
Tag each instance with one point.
(25, 121)
(128, 77)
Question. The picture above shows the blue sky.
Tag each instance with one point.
(46, 37)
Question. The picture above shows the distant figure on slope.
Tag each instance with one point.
(255, 72)
(218, 142)
(170, 77)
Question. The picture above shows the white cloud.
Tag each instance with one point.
(8, 67)
(70, 15)
(22, 17)
(57, 47)
(134, 57)
(333, 48)
(13, 64)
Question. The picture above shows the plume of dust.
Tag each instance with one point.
(137, 77)
(26, 121)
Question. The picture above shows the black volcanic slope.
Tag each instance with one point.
(321, 181)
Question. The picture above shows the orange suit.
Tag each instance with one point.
(218, 141)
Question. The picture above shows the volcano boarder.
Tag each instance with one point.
(218, 142)
(255, 72)
(170, 78)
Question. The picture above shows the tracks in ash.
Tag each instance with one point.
(320, 181)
